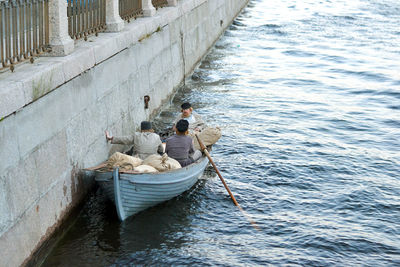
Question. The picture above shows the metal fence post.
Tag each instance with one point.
(60, 42)
(148, 8)
(113, 20)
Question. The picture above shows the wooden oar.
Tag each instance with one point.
(204, 149)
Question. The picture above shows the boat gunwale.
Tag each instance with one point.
(130, 176)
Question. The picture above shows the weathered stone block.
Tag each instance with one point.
(76, 139)
(123, 40)
(22, 182)
(48, 206)
(139, 28)
(98, 151)
(166, 41)
(176, 55)
(105, 48)
(142, 48)
(43, 78)
(101, 79)
(155, 70)
(126, 65)
(11, 97)
(122, 99)
(51, 161)
(166, 60)
(187, 6)
(159, 92)
(78, 62)
(171, 15)
(200, 2)
(150, 24)
(9, 152)
(42, 120)
(5, 202)
(144, 80)
(174, 32)
(95, 122)
(177, 75)
(28, 84)
(157, 44)
(82, 92)
(19, 241)
(156, 23)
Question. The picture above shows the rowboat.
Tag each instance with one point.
(133, 192)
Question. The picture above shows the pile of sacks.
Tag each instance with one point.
(153, 163)
(208, 136)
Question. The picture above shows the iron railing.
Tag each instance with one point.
(130, 9)
(24, 30)
(159, 3)
(86, 17)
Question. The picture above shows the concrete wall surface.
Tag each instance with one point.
(53, 112)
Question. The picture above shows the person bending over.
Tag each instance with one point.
(180, 145)
(144, 143)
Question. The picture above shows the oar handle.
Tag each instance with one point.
(202, 146)
(204, 149)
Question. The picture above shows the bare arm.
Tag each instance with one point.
(123, 140)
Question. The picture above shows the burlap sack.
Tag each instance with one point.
(145, 169)
(123, 161)
(162, 163)
(208, 136)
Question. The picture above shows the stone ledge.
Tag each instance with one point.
(29, 82)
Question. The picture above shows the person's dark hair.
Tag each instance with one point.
(186, 105)
(182, 126)
(145, 125)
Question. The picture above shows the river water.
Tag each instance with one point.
(307, 94)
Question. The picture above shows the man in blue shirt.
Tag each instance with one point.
(180, 146)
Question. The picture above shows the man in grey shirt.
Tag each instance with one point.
(180, 145)
(144, 143)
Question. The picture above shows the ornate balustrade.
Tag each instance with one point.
(24, 30)
(159, 3)
(86, 17)
(130, 9)
(31, 27)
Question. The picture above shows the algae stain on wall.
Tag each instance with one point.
(146, 36)
(42, 86)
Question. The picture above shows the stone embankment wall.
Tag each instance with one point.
(53, 112)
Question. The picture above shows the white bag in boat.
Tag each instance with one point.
(162, 163)
(123, 161)
(145, 169)
(208, 136)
